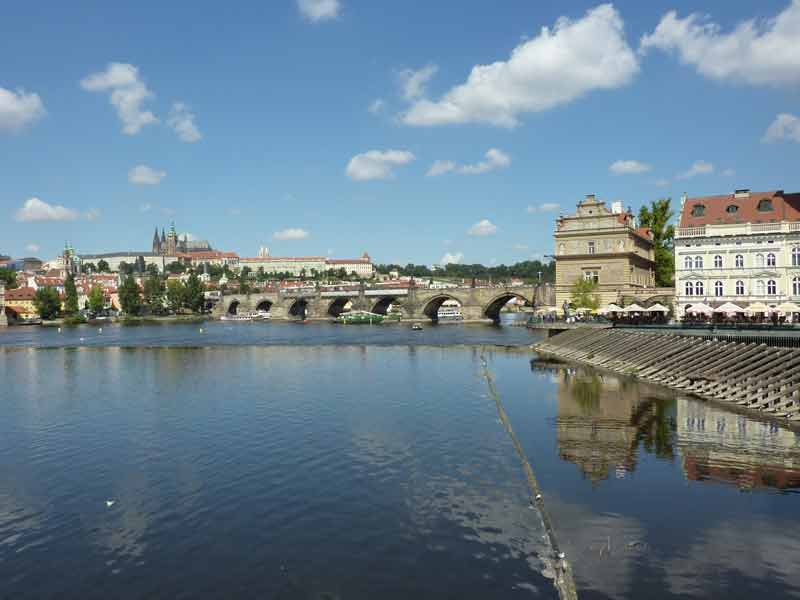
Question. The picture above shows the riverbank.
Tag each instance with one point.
(152, 320)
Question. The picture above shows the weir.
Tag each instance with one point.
(742, 372)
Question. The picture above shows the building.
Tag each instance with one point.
(20, 302)
(3, 319)
(742, 248)
(308, 265)
(604, 246)
(170, 244)
(360, 266)
(115, 259)
(212, 257)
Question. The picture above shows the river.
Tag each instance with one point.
(337, 462)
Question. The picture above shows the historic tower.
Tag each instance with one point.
(156, 243)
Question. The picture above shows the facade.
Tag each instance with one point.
(212, 257)
(741, 248)
(20, 301)
(306, 265)
(169, 244)
(3, 319)
(605, 246)
(360, 266)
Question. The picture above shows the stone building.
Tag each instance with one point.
(605, 246)
(3, 319)
(170, 244)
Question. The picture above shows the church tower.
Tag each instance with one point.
(156, 243)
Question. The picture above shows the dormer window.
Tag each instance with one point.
(732, 209)
(764, 205)
(698, 210)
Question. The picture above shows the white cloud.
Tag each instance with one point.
(482, 228)
(319, 10)
(376, 106)
(520, 247)
(37, 210)
(728, 173)
(558, 66)
(414, 82)
(128, 92)
(32, 247)
(291, 234)
(93, 214)
(144, 175)
(234, 212)
(146, 207)
(18, 109)
(451, 258)
(495, 159)
(628, 167)
(662, 182)
(376, 164)
(181, 119)
(699, 167)
(754, 52)
(784, 127)
(544, 207)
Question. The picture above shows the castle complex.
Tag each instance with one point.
(169, 244)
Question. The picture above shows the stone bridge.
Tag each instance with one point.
(417, 303)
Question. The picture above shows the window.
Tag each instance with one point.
(687, 262)
(689, 288)
(732, 209)
(770, 260)
(698, 210)
(718, 289)
(739, 261)
(698, 288)
(591, 247)
(796, 256)
(796, 286)
(698, 262)
(760, 288)
(772, 289)
(740, 288)
(765, 205)
(759, 260)
(717, 262)
(561, 248)
(592, 276)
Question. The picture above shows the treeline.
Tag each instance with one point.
(529, 270)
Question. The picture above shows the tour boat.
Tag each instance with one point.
(449, 313)
(360, 317)
(236, 318)
(260, 315)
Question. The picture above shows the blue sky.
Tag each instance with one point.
(312, 126)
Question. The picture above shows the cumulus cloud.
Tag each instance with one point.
(628, 167)
(18, 109)
(291, 234)
(128, 93)
(32, 247)
(144, 175)
(376, 164)
(376, 106)
(451, 258)
(544, 207)
(482, 228)
(35, 209)
(495, 159)
(413, 82)
(181, 119)
(699, 167)
(558, 66)
(755, 52)
(319, 10)
(784, 127)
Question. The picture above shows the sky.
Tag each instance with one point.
(426, 132)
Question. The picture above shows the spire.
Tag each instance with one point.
(163, 236)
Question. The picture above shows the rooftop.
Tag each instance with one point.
(742, 206)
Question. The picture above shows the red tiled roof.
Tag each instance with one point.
(23, 293)
(347, 261)
(785, 207)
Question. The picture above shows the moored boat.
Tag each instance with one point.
(360, 317)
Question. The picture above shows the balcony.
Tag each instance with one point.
(737, 229)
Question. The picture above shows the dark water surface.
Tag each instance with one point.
(270, 470)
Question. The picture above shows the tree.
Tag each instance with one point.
(97, 300)
(70, 295)
(8, 277)
(47, 303)
(657, 218)
(195, 298)
(125, 268)
(154, 294)
(152, 269)
(176, 294)
(102, 266)
(129, 298)
(584, 294)
(176, 267)
(88, 267)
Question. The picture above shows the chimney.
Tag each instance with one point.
(590, 197)
(743, 193)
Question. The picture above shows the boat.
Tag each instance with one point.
(416, 327)
(260, 315)
(448, 312)
(245, 317)
(360, 317)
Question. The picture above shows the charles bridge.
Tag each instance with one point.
(416, 303)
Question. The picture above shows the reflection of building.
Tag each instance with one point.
(604, 246)
(722, 446)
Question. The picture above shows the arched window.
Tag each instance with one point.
(772, 289)
(698, 262)
(770, 260)
(561, 248)
(760, 289)
(718, 288)
(759, 260)
(698, 288)
(732, 209)
(740, 288)
(739, 261)
(796, 286)
(717, 262)
(796, 256)
(687, 262)
(689, 288)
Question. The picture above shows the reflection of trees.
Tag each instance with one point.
(656, 427)
(586, 392)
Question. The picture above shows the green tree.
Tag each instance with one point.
(8, 277)
(70, 296)
(176, 294)
(125, 268)
(154, 294)
(152, 270)
(97, 300)
(102, 266)
(195, 298)
(47, 303)
(584, 294)
(130, 299)
(88, 267)
(657, 218)
(176, 267)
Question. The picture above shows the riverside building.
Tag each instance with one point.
(742, 248)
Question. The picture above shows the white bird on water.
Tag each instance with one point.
(201, 330)
(82, 339)
(110, 503)
(59, 330)
(99, 330)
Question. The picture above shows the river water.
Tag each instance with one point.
(322, 461)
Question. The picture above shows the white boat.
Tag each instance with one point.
(449, 313)
(260, 315)
(245, 317)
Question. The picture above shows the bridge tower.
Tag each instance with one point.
(3, 319)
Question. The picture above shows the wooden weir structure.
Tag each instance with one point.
(754, 374)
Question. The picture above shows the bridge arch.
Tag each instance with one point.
(337, 306)
(299, 309)
(233, 306)
(493, 307)
(265, 305)
(432, 306)
(381, 307)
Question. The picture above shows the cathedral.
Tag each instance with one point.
(169, 244)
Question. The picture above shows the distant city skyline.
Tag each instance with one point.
(327, 128)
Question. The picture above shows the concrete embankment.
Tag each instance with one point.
(750, 376)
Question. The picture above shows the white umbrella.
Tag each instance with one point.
(757, 307)
(632, 308)
(729, 308)
(700, 307)
(613, 308)
(658, 307)
(788, 307)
